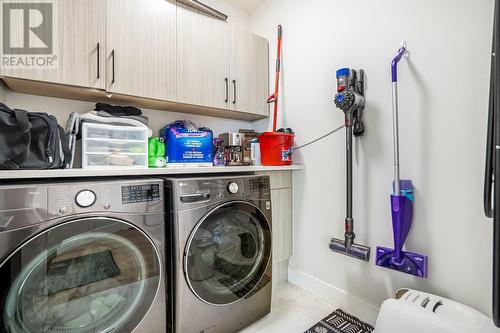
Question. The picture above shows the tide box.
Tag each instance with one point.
(186, 147)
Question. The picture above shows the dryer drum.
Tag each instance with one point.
(240, 248)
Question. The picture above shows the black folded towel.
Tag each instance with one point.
(80, 271)
(118, 111)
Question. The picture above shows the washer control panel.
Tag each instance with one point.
(140, 193)
(116, 196)
(85, 198)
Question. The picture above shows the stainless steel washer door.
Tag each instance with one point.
(82, 276)
(227, 253)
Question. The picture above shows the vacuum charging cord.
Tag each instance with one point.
(320, 138)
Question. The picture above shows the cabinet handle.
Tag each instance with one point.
(234, 91)
(227, 89)
(98, 60)
(113, 66)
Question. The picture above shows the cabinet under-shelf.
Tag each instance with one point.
(96, 95)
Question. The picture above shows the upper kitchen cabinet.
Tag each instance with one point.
(249, 72)
(202, 59)
(156, 54)
(67, 47)
(141, 48)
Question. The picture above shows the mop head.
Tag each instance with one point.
(396, 258)
(411, 263)
(356, 251)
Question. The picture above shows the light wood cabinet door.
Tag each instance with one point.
(203, 59)
(79, 26)
(249, 72)
(141, 48)
(281, 197)
(282, 223)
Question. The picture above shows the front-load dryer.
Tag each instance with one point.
(82, 257)
(221, 249)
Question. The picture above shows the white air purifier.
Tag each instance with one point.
(417, 312)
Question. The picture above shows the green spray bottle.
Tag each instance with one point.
(156, 153)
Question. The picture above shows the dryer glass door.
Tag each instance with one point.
(227, 253)
(86, 275)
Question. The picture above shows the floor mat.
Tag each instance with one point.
(340, 322)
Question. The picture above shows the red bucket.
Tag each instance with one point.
(276, 148)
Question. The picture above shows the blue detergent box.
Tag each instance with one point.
(187, 147)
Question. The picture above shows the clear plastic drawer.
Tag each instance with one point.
(113, 132)
(114, 160)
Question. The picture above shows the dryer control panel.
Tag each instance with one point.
(203, 191)
(259, 184)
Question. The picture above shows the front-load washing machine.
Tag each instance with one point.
(82, 257)
(220, 243)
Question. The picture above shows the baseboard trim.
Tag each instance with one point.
(364, 310)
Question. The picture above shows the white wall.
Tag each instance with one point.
(235, 15)
(443, 109)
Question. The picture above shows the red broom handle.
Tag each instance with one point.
(277, 80)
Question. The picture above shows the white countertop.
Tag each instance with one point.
(73, 173)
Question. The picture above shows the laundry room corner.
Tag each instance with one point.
(435, 114)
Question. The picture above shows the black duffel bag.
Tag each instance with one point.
(31, 140)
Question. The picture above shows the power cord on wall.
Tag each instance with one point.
(320, 138)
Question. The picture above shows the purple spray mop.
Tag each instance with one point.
(401, 203)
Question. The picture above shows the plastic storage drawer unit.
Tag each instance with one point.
(107, 146)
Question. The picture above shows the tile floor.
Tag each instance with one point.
(293, 311)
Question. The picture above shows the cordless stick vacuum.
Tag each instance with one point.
(401, 202)
(350, 99)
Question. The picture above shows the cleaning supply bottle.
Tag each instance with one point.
(219, 156)
(255, 152)
(156, 153)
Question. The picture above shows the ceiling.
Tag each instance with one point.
(246, 5)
